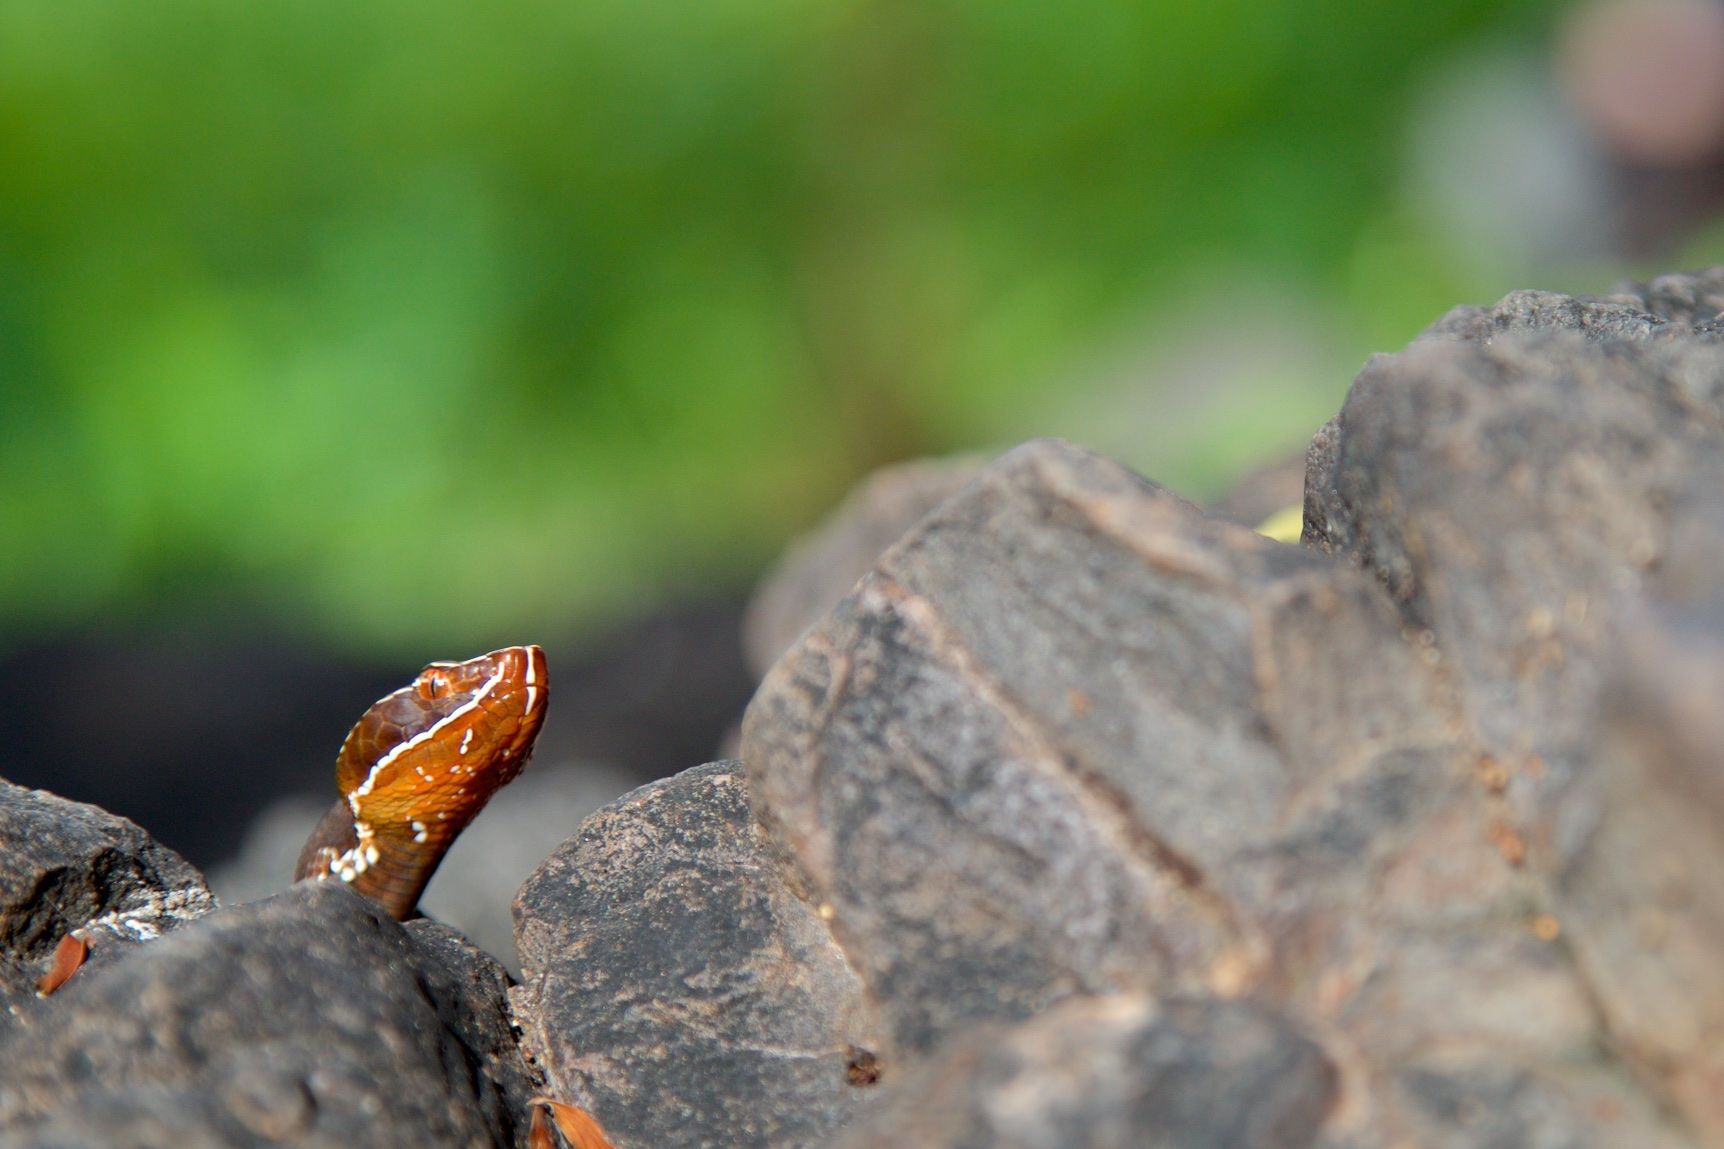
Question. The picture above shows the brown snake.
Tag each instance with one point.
(419, 765)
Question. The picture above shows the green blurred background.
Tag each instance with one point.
(414, 328)
(418, 324)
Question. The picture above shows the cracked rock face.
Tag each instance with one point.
(1539, 488)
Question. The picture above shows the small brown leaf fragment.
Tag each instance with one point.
(1509, 843)
(1493, 774)
(863, 1068)
(578, 1127)
(69, 955)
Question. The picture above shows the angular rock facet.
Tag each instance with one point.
(677, 988)
(1021, 758)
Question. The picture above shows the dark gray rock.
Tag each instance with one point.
(678, 989)
(310, 1018)
(820, 569)
(1114, 1072)
(1685, 306)
(1072, 736)
(65, 867)
(470, 990)
(1320, 534)
(1023, 758)
(1545, 510)
(1507, 494)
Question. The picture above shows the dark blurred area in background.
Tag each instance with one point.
(338, 337)
(192, 730)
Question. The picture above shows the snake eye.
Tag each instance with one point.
(433, 685)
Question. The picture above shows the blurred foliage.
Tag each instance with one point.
(420, 321)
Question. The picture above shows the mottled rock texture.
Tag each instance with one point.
(1092, 1073)
(1504, 494)
(1537, 486)
(678, 988)
(65, 867)
(1072, 736)
(311, 1018)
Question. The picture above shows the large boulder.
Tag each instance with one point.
(1072, 736)
(311, 1018)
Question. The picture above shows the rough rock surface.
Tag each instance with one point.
(1602, 319)
(311, 1019)
(1538, 487)
(677, 988)
(1684, 306)
(66, 866)
(819, 570)
(1072, 736)
(1092, 1073)
(1504, 494)
(1018, 757)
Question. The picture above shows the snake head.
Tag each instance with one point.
(420, 764)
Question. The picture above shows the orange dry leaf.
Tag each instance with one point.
(538, 1133)
(578, 1127)
(68, 956)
